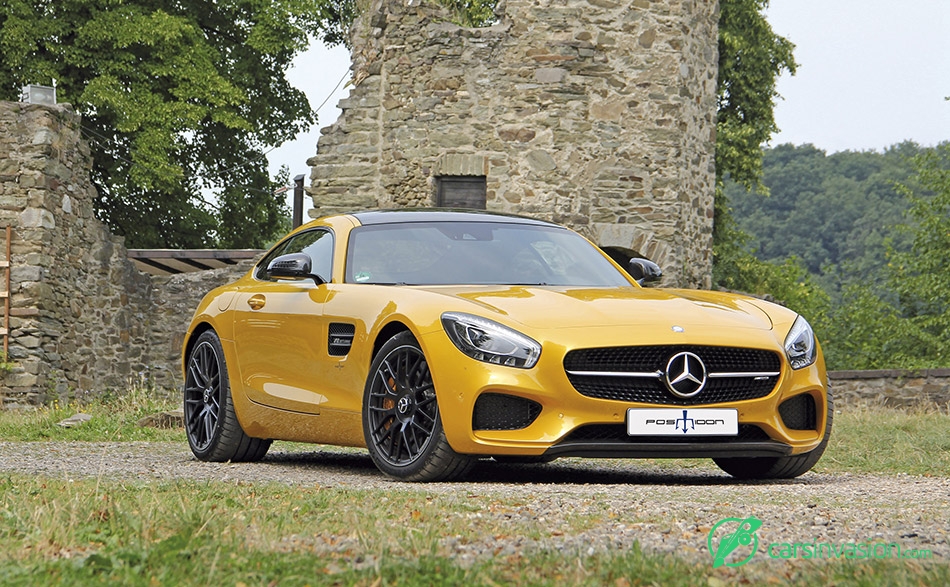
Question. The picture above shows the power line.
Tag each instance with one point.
(316, 111)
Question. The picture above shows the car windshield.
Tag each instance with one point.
(476, 253)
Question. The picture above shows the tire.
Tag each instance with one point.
(401, 421)
(214, 433)
(778, 467)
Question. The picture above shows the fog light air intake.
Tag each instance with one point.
(496, 411)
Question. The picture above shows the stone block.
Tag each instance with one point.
(541, 161)
(550, 75)
(21, 380)
(30, 342)
(460, 164)
(37, 218)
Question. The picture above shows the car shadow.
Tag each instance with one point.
(601, 472)
(572, 471)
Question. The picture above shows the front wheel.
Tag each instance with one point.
(401, 421)
(778, 467)
(214, 433)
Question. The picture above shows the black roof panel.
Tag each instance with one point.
(405, 215)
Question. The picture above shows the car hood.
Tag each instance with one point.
(549, 307)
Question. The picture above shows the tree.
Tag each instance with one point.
(180, 100)
(336, 16)
(880, 225)
(472, 13)
(751, 58)
(921, 277)
(837, 213)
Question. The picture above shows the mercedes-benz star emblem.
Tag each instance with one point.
(403, 404)
(685, 374)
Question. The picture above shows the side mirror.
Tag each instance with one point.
(644, 270)
(293, 266)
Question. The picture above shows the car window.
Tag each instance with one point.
(461, 253)
(318, 244)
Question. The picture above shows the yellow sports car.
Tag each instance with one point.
(434, 338)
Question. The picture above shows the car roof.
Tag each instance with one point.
(410, 215)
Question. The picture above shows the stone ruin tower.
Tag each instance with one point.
(597, 114)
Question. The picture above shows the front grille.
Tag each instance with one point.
(645, 360)
(495, 411)
(602, 433)
(799, 412)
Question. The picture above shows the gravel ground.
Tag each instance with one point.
(663, 508)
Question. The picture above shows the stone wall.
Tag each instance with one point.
(892, 387)
(83, 318)
(598, 114)
(173, 302)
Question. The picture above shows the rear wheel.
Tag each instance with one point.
(213, 430)
(401, 421)
(778, 467)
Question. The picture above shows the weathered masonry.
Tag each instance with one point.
(598, 114)
(82, 318)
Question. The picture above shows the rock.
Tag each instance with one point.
(164, 420)
(75, 420)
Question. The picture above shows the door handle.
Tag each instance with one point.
(256, 301)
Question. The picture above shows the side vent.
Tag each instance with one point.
(340, 339)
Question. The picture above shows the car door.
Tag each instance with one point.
(279, 328)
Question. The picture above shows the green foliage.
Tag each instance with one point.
(751, 58)
(334, 18)
(472, 13)
(178, 100)
(832, 222)
(864, 331)
(836, 213)
(921, 276)
(908, 323)
(114, 417)
(873, 229)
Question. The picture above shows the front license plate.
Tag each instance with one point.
(682, 422)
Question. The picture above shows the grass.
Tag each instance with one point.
(96, 531)
(874, 439)
(867, 439)
(91, 532)
(114, 418)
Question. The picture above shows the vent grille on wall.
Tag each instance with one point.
(461, 192)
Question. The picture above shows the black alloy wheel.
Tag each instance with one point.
(401, 421)
(212, 427)
(202, 395)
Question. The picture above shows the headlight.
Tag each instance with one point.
(488, 341)
(800, 344)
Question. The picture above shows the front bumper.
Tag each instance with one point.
(572, 424)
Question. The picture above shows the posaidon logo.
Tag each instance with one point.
(731, 535)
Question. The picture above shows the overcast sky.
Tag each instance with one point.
(872, 73)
